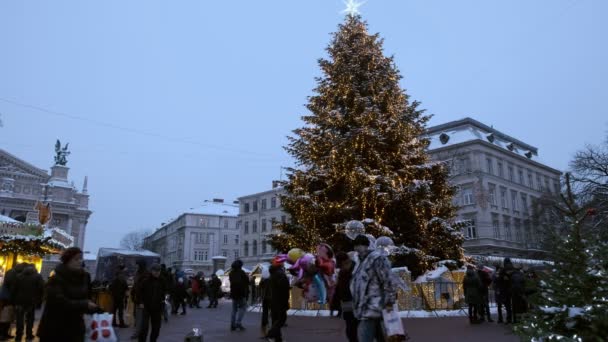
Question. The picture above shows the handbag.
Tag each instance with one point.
(99, 328)
(393, 326)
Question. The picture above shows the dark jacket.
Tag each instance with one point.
(119, 286)
(10, 280)
(279, 285)
(138, 281)
(180, 293)
(67, 297)
(472, 288)
(265, 289)
(239, 284)
(29, 288)
(214, 286)
(504, 280)
(152, 293)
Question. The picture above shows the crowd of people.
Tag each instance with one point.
(511, 286)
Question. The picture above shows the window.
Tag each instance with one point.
(202, 222)
(464, 165)
(528, 231)
(470, 231)
(283, 219)
(200, 238)
(467, 196)
(517, 226)
(264, 246)
(224, 252)
(263, 204)
(511, 174)
(225, 239)
(246, 248)
(547, 184)
(200, 255)
(500, 170)
(530, 180)
(503, 198)
(520, 173)
(263, 224)
(236, 239)
(246, 207)
(225, 223)
(539, 184)
(254, 226)
(556, 187)
(492, 194)
(524, 203)
(273, 202)
(255, 205)
(254, 248)
(238, 225)
(205, 255)
(514, 200)
(496, 226)
(507, 224)
(236, 253)
(246, 227)
(490, 165)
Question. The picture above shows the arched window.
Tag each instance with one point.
(255, 248)
(246, 248)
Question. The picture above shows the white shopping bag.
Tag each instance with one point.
(99, 328)
(393, 325)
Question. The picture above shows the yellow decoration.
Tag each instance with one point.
(294, 254)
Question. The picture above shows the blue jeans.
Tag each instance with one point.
(369, 329)
(239, 306)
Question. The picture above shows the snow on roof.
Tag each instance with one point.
(60, 183)
(110, 251)
(7, 219)
(215, 209)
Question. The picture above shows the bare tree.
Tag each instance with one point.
(135, 239)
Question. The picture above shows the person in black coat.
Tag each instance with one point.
(344, 296)
(67, 300)
(504, 286)
(118, 289)
(27, 296)
(279, 303)
(214, 291)
(6, 296)
(239, 292)
(152, 294)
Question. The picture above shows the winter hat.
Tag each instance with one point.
(69, 254)
(238, 264)
(361, 240)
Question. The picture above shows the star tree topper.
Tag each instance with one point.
(352, 7)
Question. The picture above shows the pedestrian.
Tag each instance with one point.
(497, 294)
(473, 294)
(239, 292)
(118, 289)
(140, 275)
(67, 300)
(27, 296)
(279, 302)
(214, 290)
(486, 281)
(266, 293)
(7, 300)
(518, 295)
(196, 292)
(152, 293)
(504, 286)
(180, 296)
(344, 296)
(373, 290)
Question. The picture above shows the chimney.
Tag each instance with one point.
(218, 200)
(276, 184)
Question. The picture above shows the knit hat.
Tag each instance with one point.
(69, 254)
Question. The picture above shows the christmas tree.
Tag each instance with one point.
(572, 303)
(362, 156)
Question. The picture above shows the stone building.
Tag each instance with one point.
(257, 215)
(190, 241)
(22, 185)
(499, 178)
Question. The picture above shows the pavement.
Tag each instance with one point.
(215, 327)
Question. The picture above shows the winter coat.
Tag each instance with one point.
(10, 279)
(214, 286)
(372, 286)
(196, 286)
(140, 277)
(180, 293)
(279, 286)
(67, 298)
(518, 283)
(486, 281)
(29, 288)
(152, 293)
(239, 284)
(119, 286)
(265, 289)
(472, 288)
(504, 280)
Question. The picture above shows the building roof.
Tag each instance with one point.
(468, 129)
(215, 208)
(7, 219)
(118, 251)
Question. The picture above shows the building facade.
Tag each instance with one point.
(258, 214)
(499, 178)
(22, 185)
(190, 241)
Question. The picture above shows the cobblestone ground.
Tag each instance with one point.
(215, 323)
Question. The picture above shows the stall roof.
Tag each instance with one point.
(118, 251)
(7, 219)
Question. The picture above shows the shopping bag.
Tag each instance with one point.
(194, 336)
(99, 328)
(393, 326)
